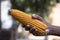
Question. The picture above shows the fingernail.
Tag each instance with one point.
(27, 28)
(27, 25)
(32, 30)
(35, 33)
(34, 16)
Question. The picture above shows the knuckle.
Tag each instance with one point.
(27, 28)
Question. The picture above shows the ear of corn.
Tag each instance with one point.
(27, 20)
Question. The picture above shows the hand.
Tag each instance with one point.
(33, 30)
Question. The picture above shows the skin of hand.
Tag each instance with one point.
(53, 30)
(33, 30)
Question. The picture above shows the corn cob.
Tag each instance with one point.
(27, 19)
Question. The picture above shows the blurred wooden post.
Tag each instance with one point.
(14, 30)
(13, 34)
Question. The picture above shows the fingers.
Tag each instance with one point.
(31, 30)
(27, 27)
(37, 17)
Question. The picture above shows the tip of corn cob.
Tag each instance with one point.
(27, 19)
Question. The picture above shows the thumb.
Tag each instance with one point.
(37, 17)
(40, 19)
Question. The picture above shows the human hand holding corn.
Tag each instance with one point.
(33, 29)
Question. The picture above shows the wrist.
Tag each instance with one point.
(49, 30)
(53, 30)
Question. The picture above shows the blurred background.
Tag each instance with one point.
(10, 29)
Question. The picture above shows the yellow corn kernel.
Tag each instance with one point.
(28, 20)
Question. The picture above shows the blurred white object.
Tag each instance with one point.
(51, 37)
(20, 29)
(32, 37)
(5, 18)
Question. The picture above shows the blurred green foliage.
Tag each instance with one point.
(39, 7)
